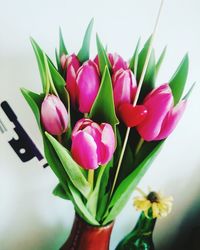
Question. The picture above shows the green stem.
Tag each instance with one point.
(91, 177)
(140, 143)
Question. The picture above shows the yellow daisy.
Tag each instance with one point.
(160, 206)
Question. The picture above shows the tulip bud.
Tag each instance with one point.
(71, 64)
(92, 144)
(116, 61)
(124, 87)
(54, 115)
(162, 117)
(88, 83)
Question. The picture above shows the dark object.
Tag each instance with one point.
(141, 237)
(87, 237)
(23, 146)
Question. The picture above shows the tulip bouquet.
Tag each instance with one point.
(100, 129)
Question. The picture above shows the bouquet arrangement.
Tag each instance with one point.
(103, 121)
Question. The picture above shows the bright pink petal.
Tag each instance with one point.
(117, 62)
(124, 85)
(54, 115)
(81, 124)
(108, 143)
(158, 103)
(88, 85)
(84, 150)
(171, 120)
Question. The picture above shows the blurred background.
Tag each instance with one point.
(30, 216)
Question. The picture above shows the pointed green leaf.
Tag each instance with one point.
(60, 192)
(84, 53)
(126, 187)
(40, 61)
(134, 60)
(71, 167)
(100, 111)
(102, 56)
(160, 60)
(150, 72)
(189, 92)
(62, 48)
(178, 80)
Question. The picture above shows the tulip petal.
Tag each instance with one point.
(124, 85)
(81, 124)
(84, 150)
(171, 120)
(88, 85)
(108, 143)
(158, 103)
(54, 115)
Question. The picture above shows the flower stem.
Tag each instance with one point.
(137, 95)
(140, 143)
(91, 177)
(59, 137)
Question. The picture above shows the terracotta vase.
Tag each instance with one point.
(87, 237)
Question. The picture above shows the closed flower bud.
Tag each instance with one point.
(124, 87)
(92, 144)
(54, 115)
(87, 88)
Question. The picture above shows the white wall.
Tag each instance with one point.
(30, 217)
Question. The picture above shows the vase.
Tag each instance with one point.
(84, 236)
(141, 237)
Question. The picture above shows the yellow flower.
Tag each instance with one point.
(160, 206)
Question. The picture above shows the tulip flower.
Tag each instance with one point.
(54, 115)
(71, 64)
(92, 144)
(116, 61)
(124, 87)
(88, 82)
(162, 117)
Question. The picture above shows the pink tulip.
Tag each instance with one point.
(162, 116)
(116, 61)
(124, 87)
(92, 144)
(54, 115)
(71, 64)
(88, 82)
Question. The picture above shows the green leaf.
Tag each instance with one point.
(81, 206)
(62, 48)
(178, 80)
(134, 60)
(149, 79)
(84, 53)
(160, 60)
(60, 192)
(102, 56)
(71, 167)
(34, 100)
(127, 186)
(40, 61)
(189, 92)
(93, 198)
(100, 111)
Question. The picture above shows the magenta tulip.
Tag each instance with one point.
(124, 87)
(116, 61)
(71, 64)
(162, 116)
(92, 144)
(88, 82)
(54, 115)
